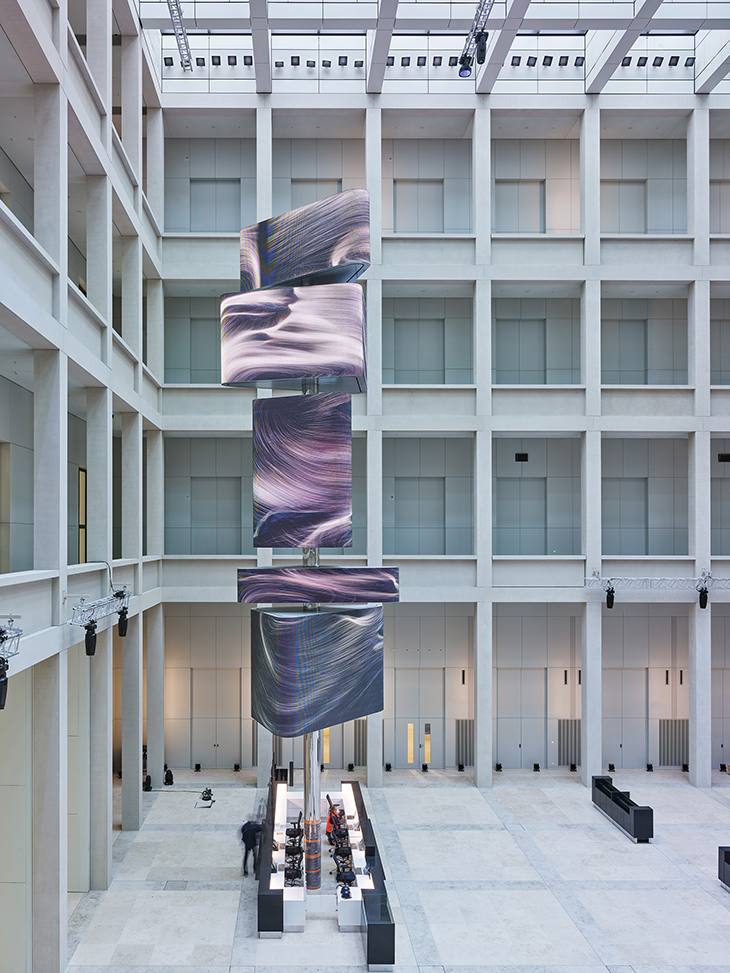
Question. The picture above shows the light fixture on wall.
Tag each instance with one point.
(580, 61)
(168, 62)
(342, 60)
(311, 64)
(390, 61)
(673, 61)
(626, 62)
(421, 62)
(516, 59)
(547, 61)
(358, 64)
(453, 61)
(437, 61)
(531, 62)
(405, 62)
(326, 64)
(248, 60)
(690, 62)
(216, 60)
(232, 60)
(642, 62)
(9, 646)
(200, 62)
(657, 62)
(563, 60)
(278, 64)
(295, 61)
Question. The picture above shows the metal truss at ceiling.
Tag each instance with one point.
(610, 30)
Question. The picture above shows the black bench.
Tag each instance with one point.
(723, 865)
(637, 822)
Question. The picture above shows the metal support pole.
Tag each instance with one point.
(312, 811)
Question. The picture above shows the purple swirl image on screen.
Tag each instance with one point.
(278, 337)
(302, 471)
(325, 242)
(300, 584)
(311, 670)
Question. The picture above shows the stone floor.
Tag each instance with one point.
(527, 876)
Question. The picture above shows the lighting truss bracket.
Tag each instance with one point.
(706, 581)
(484, 8)
(9, 639)
(84, 613)
(181, 36)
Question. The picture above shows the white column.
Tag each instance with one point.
(132, 297)
(132, 725)
(264, 752)
(132, 101)
(590, 344)
(99, 24)
(375, 497)
(374, 180)
(155, 182)
(156, 695)
(100, 789)
(156, 328)
(50, 187)
(50, 810)
(375, 750)
(99, 408)
(699, 352)
(590, 185)
(375, 347)
(482, 185)
(264, 166)
(132, 486)
(50, 469)
(698, 183)
(483, 609)
(700, 662)
(591, 639)
(99, 252)
(482, 344)
(155, 492)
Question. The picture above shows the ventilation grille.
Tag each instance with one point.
(465, 742)
(673, 743)
(361, 743)
(255, 744)
(277, 742)
(568, 742)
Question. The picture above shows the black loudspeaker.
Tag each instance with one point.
(536, 768)
(649, 768)
(612, 768)
(197, 768)
(237, 767)
(723, 768)
(424, 768)
(168, 778)
(388, 767)
(461, 768)
(573, 768)
(351, 767)
(147, 786)
(685, 768)
(498, 768)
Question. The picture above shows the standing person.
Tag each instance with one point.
(250, 836)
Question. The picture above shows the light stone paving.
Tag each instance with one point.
(527, 876)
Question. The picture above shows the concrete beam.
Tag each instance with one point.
(605, 49)
(261, 45)
(379, 45)
(499, 45)
(713, 60)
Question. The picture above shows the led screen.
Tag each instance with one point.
(302, 471)
(311, 670)
(323, 585)
(323, 243)
(278, 337)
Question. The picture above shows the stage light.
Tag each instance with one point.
(197, 768)
(216, 60)
(350, 767)
(703, 596)
(465, 68)
(626, 62)
(481, 40)
(424, 768)
(563, 60)
(673, 61)
(723, 768)
(168, 62)
(609, 597)
(90, 638)
(232, 60)
(573, 768)
(278, 64)
(421, 62)
(358, 64)
(9, 646)
(689, 63)
(437, 62)
(200, 62)
(498, 768)
(237, 768)
(326, 64)
(612, 768)
(650, 768)
(531, 62)
(642, 62)
(580, 61)
(536, 768)
(123, 622)
(390, 61)
(461, 768)
(342, 60)
(657, 62)
(405, 62)
(685, 768)
(388, 768)
(516, 61)
(248, 60)
(453, 61)
(295, 61)
(547, 61)
(311, 64)
(169, 779)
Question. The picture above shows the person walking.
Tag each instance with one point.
(250, 835)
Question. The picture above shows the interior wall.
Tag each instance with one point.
(426, 186)
(536, 501)
(644, 496)
(536, 186)
(305, 170)
(719, 185)
(720, 684)
(427, 340)
(719, 341)
(16, 192)
(643, 186)
(535, 341)
(76, 459)
(210, 185)
(78, 769)
(192, 340)
(719, 498)
(643, 342)
(16, 477)
(427, 496)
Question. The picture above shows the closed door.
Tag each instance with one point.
(332, 746)
(625, 723)
(419, 717)
(216, 718)
(521, 717)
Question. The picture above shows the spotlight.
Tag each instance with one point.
(350, 767)
(168, 62)
(200, 62)
(465, 68)
(358, 64)
(123, 621)
(216, 60)
(342, 60)
(536, 768)
(673, 61)
(580, 61)
(689, 62)
(295, 61)
(421, 62)
(90, 638)
(232, 60)
(437, 62)
(207, 794)
(481, 40)
(248, 60)
(516, 61)
(609, 597)
(685, 768)
(147, 786)
(657, 62)
(390, 61)
(650, 768)
(642, 62)
(388, 768)
(197, 768)
(405, 62)
(547, 61)
(723, 768)
(461, 768)
(3, 682)
(278, 64)
(573, 768)
(703, 596)
(612, 768)
(169, 779)
(326, 64)
(237, 768)
(453, 61)
(563, 60)
(498, 768)
(9, 642)
(626, 62)
(424, 768)
(311, 64)
(531, 62)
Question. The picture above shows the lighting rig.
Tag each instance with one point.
(186, 61)
(701, 585)
(475, 45)
(9, 646)
(87, 614)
